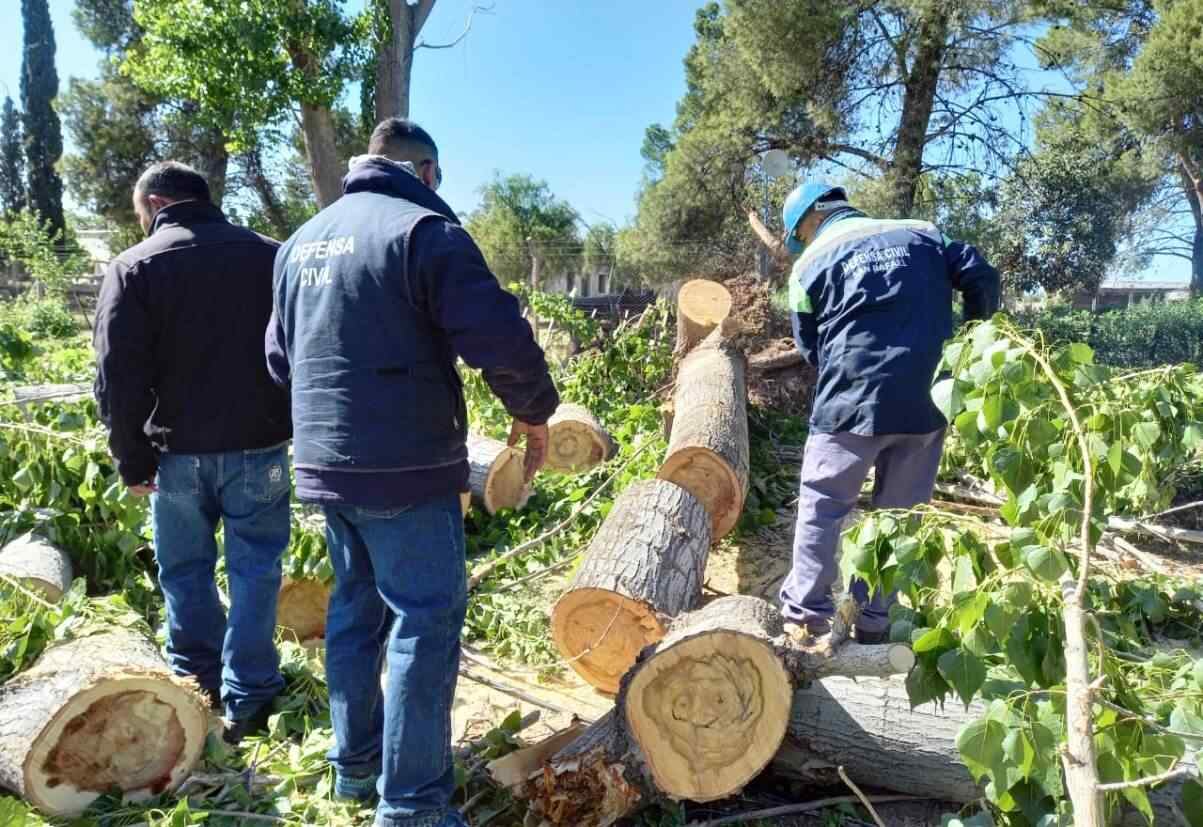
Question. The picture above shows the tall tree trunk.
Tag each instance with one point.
(317, 126)
(917, 104)
(269, 199)
(395, 57)
(1192, 185)
(214, 162)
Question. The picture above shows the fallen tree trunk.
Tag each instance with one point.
(701, 306)
(699, 716)
(97, 714)
(495, 476)
(708, 448)
(644, 566)
(867, 726)
(301, 608)
(576, 440)
(775, 358)
(38, 565)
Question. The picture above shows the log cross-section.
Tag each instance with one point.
(495, 475)
(576, 441)
(708, 447)
(644, 566)
(701, 305)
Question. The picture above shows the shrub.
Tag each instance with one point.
(1138, 337)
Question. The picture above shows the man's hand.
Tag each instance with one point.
(536, 446)
(143, 490)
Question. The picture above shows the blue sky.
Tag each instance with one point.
(560, 90)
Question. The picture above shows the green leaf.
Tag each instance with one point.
(1115, 458)
(964, 671)
(991, 414)
(1081, 353)
(981, 746)
(1192, 803)
(1046, 563)
(1146, 433)
(948, 398)
(924, 684)
(932, 640)
(964, 579)
(979, 641)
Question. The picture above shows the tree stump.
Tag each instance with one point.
(700, 714)
(708, 447)
(576, 440)
(645, 566)
(301, 608)
(701, 305)
(97, 714)
(495, 474)
(38, 565)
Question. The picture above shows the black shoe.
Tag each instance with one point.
(256, 724)
(871, 638)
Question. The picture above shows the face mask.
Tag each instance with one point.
(794, 246)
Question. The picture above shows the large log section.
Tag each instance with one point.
(700, 715)
(96, 714)
(576, 440)
(644, 567)
(37, 564)
(708, 448)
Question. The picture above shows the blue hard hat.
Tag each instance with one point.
(798, 203)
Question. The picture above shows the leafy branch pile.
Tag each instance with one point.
(986, 604)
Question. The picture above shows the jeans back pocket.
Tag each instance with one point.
(265, 473)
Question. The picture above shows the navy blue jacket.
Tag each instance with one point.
(872, 302)
(375, 297)
(179, 327)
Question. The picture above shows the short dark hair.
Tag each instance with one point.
(171, 179)
(402, 140)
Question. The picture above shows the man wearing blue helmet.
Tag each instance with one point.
(872, 307)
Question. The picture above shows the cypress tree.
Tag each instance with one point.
(12, 160)
(43, 132)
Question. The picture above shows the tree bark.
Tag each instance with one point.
(395, 57)
(917, 102)
(708, 448)
(317, 126)
(95, 714)
(1192, 185)
(576, 440)
(38, 565)
(269, 199)
(644, 566)
(495, 474)
(215, 164)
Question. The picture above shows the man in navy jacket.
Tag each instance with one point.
(872, 307)
(375, 297)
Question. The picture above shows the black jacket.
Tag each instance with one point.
(179, 342)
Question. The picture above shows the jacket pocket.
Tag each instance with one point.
(178, 475)
(265, 473)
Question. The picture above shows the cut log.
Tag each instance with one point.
(576, 440)
(708, 448)
(465, 501)
(38, 565)
(701, 305)
(495, 474)
(701, 714)
(777, 357)
(301, 608)
(97, 714)
(868, 727)
(644, 566)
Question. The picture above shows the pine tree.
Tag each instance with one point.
(43, 132)
(12, 160)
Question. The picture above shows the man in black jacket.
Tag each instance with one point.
(196, 422)
(375, 297)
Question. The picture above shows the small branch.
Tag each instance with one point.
(1152, 780)
(794, 809)
(467, 29)
(771, 242)
(515, 692)
(535, 575)
(485, 569)
(860, 795)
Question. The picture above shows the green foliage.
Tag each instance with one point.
(37, 246)
(983, 613)
(245, 66)
(519, 217)
(12, 160)
(43, 134)
(1143, 336)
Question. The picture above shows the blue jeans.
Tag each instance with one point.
(834, 466)
(248, 492)
(400, 594)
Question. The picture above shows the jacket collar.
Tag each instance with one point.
(835, 218)
(185, 213)
(377, 174)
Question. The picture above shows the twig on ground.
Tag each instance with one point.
(486, 568)
(795, 809)
(471, 803)
(535, 575)
(515, 692)
(860, 795)
(1176, 509)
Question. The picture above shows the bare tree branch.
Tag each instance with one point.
(467, 29)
